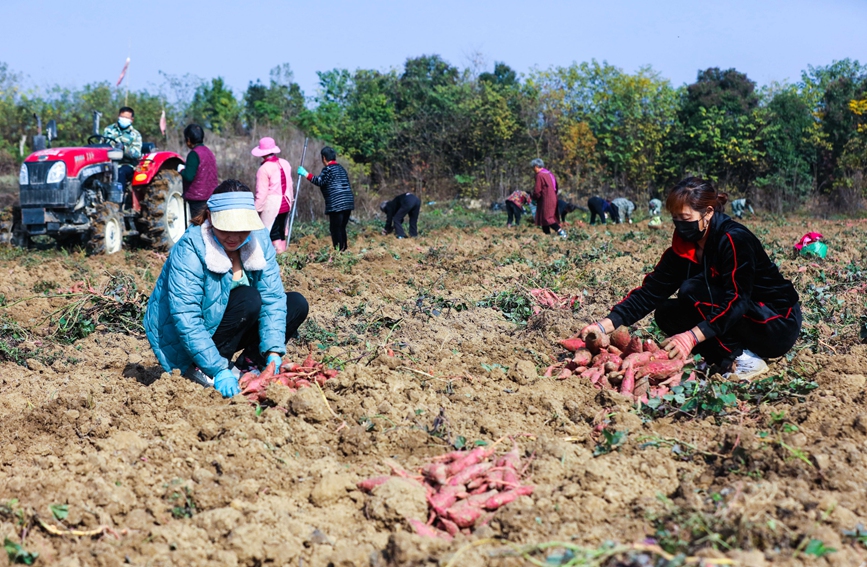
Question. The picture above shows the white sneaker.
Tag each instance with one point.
(748, 366)
(562, 234)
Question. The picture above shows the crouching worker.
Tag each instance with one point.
(733, 306)
(396, 210)
(220, 292)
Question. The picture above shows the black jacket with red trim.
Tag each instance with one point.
(734, 260)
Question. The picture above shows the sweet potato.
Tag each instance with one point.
(596, 342)
(436, 472)
(443, 500)
(550, 370)
(628, 383)
(465, 515)
(582, 357)
(614, 350)
(504, 498)
(471, 458)
(572, 344)
(564, 374)
(610, 367)
(604, 357)
(481, 498)
(650, 345)
(469, 473)
(659, 369)
(637, 359)
(642, 387)
(635, 346)
(450, 527)
(369, 484)
(673, 380)
(425, 530)
(620, 337)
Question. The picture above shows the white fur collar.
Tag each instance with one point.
(217, 261)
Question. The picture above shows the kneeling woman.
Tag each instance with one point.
(733, 306)
(220, 292)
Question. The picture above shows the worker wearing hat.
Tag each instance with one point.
(220, 292)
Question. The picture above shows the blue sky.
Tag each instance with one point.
(75, 42)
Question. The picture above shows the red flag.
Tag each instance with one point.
(123, 73)
(163, 122)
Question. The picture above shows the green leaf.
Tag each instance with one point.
(817, 548)
(460, 442)
(60, 511)
(18, 554)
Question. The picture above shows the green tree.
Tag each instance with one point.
(215, 107)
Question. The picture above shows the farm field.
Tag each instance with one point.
(439, 348)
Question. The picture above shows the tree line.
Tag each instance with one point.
(444, 131)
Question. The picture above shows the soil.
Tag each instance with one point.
(181, 476)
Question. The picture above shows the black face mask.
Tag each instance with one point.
(688, 230)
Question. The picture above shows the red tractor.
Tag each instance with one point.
(73, 196)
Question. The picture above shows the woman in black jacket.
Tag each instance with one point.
(339, 200)
(733, 306)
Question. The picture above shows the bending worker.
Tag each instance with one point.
(545, 194)
(599, 207)
(220, 292)
(655, 210)
(624, 208)
(733, 306)
(515, 207)
(738, 206)
(395, 211)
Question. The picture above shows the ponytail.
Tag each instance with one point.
(697, 194)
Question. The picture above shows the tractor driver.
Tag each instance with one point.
(123, 133)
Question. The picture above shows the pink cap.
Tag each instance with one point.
(266, 146)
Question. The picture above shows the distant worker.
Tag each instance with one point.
(564, 208)
(274, 191)
(122, 133)
(599, 207)
(339, 200)
(545, 194)
(515, 206)
(655, 210)
(738, 206)
(199, 173)
(396, 210)
(625, 208)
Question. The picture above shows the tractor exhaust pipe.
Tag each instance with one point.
(96, 115)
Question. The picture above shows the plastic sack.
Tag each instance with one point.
(817, 248)
(807, 239)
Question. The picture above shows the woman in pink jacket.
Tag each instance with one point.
(274, 191)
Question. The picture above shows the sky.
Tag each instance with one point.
(75, 42)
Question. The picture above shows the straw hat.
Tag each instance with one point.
(234, 212)
(266, 146)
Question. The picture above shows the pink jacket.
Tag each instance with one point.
(268, 183)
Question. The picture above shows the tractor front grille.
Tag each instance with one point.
(41, 194)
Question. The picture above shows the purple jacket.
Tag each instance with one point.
(206, 180)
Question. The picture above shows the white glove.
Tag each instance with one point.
(181, 167)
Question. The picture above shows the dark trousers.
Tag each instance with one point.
(411, 208)
(278, 230)
(338, 222)
(124, 174)
(762, 330)
(239, 328)
(597, 209)
(514, 212)
(547, 229)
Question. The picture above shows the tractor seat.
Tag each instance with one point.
(147, 147)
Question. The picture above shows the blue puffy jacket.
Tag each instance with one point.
(191, 295)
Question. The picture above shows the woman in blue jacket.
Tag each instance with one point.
(220, 292)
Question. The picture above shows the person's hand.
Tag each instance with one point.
(277, 360)
(596, 327)
(680, 345)
(302, 172)
(226, 383)
(181, 167)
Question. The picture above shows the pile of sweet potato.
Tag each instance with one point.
(637, 369)
(292, 375)
(464, 489)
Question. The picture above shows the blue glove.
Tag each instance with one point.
(277, 360)
(302, 172)
(227, 383)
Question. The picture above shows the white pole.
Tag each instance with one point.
(297, 195)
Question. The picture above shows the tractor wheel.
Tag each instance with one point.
(106, 236)
(163, 219)
(13, 230)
